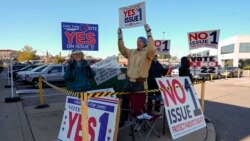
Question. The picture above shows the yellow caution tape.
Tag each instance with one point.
(103, 94)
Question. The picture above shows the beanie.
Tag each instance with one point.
(144, 40)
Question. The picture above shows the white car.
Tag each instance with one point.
(175, 71)
(50, 73)
(21, 75)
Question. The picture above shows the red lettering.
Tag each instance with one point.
(166, 92)
(70, 36)
(90, 38)
(92, 121)
(176, 83)
(78, 129)
(193, 37)
(202, 35)
(125, 13)
(71, 123)
(80, 37)
(197, 36)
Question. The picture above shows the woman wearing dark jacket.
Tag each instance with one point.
(184, 68)
(156, 70)
(78, 73)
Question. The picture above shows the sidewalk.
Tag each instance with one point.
(45, 123)
(13, 121)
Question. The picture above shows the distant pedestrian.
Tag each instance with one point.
(184, 68)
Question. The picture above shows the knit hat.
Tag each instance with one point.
(76, 52)
(144, 40)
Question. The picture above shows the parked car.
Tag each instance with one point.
(175, 70)
(51, 73)
(230, 71)
(16, 67)
(20, 77)
(27, 68)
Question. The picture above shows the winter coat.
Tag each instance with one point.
(184, 68)
(156, 70)
(77, 75)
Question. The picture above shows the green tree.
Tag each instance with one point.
(27, 54)
(58, 59)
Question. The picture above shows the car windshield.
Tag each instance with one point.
(37, 68)
(40, 69)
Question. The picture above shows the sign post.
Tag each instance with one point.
(12, 98)
(84, 108)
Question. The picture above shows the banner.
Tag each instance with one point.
(132, 16)
(203, 39)
(102, 113)
(106, 69)
(203, 65)
(162, 46)
(183, 110)
(79, 36)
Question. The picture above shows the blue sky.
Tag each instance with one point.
(38, 23)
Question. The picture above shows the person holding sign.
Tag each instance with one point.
(78, 73)
(156, 71)
(139, 61)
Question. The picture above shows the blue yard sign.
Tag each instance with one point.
(79, 36)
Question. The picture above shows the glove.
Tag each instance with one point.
(148, 30)
(119, 32)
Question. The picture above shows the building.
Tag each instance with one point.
(7, 54)
(234, 51)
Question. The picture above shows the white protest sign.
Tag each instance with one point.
(106, 69)
(203, 39)
(203, 65)
(162, 46)
(132, 16)
(183, 110)
(102, 113)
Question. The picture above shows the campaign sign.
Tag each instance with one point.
(183, 110)
(132, 16)
(79, 36)
(162, 46)
(106, 69)
(203, 39)
(203, 65)
(102, 114)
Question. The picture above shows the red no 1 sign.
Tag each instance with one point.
(162, 46)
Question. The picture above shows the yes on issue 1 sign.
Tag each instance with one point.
(102, 113)
(132, 16)
(183, 110)
(203, 39)
(79, 36)
(162, 46)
